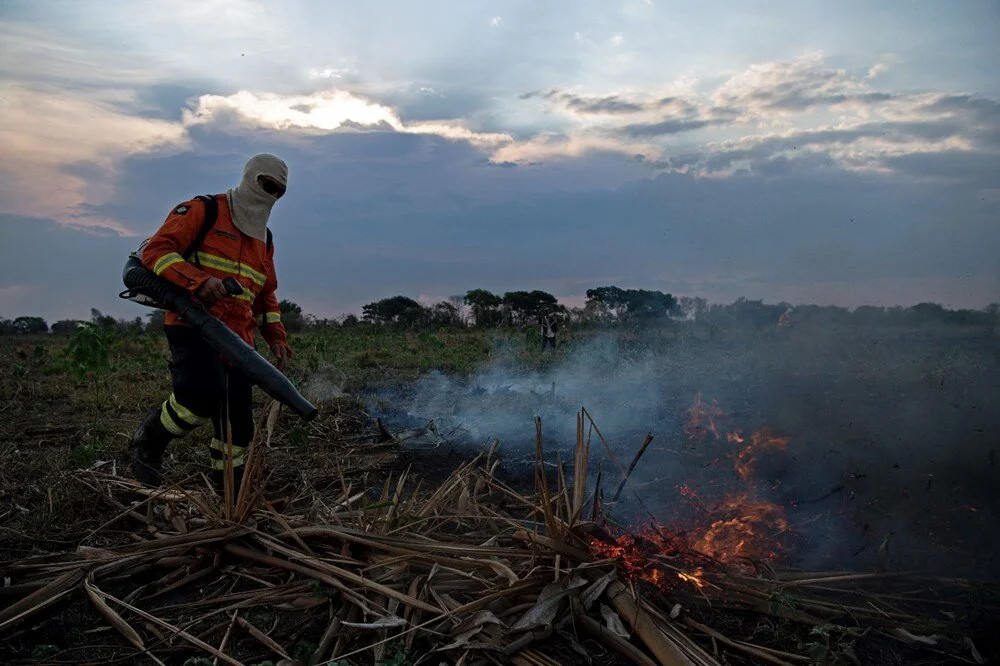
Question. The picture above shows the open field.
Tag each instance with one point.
(890, 463)
(63, 411)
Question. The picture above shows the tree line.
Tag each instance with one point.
(603, 306)
(483, 308)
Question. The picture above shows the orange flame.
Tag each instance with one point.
(694, 578)
(740, 530)
(701, 419)
(744, 529)
(762, 440)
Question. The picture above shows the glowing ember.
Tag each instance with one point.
(687, 492)
(693, 578)
(636, 555)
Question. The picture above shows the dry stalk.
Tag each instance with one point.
(430, 563)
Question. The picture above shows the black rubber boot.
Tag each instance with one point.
(218, 479)
(148, 444)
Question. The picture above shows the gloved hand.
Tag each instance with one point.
(211, 291)
(282, 353)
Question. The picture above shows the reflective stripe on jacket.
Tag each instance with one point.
(225, 252)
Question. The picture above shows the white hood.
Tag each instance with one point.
(248, 202)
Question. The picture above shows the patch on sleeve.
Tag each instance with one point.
(181, 210)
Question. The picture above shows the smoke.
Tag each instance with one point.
(502, 400)
(889, 433)
(324, 383)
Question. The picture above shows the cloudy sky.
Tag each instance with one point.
(842, 152)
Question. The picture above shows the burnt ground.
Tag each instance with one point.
(894, 432)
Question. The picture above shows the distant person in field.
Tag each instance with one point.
(237, 244)
(550, 327)
(785, 320)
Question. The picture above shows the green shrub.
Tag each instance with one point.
(88, 351)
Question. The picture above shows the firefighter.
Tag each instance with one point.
(205, 387)
(550, 327)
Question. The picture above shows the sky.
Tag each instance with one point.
(810, 152)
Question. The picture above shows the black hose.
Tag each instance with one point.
(140, 280)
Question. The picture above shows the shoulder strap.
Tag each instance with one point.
(211, 214)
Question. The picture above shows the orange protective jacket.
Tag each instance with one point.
(225, 252)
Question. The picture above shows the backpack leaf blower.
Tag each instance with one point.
(148, 288)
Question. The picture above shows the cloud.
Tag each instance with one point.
(772, 114)
(375, 214)
(327, 72)
(327, 110)
(949, 165)
(768, 118)
(62, 60)
(565, 146)
(65, 148)
(669, 126)
(743, 176)
(495, 21)
(585, 104)
(863, 146)
(793, 85)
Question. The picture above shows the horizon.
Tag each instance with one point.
(145, 311)
(797, 152)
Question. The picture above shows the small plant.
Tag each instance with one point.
(88, 351)
(82, 456)
(779, 601)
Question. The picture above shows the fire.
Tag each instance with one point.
(743, 529)
(694, 578)
(745, 460)
(701, 420)
(637, 556)
(734, 533)
(633, 550)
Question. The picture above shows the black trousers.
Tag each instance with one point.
(201, 382)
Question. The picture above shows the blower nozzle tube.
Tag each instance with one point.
(141, 280)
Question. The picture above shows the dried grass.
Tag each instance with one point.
(449, 572)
